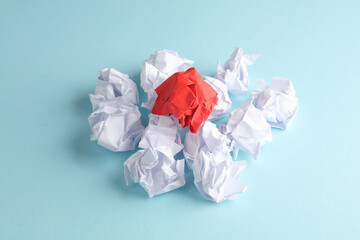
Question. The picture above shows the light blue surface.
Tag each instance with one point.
(56, 184)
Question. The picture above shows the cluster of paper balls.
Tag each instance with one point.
(179, 97)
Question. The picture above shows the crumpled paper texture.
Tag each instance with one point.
(207, 139)
(188, 97)
(223, 105)
(248, 128)
(117, 128)
(156, 69)
(161, 131)
(180, 97)
(277, 101)
(115, 121)
(113, 85)
(217, 179)
(155, 169)
(234, 73)
(216, 175)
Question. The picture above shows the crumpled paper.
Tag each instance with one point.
(179, 97)
(216, 175)
(188, 97)
(277, 101)
(156, 69)
(116, 127)
(234, 72)
(224, 103)
(207, 139)
(115, 121)
(113, 85)
(248, 128)
(161, 131)
(155, 169)
(217, 179)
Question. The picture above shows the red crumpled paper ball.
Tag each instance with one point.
(188, 97)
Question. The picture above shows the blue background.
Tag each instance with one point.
(56, 184)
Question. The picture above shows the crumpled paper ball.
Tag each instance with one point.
(188, 97)
(216, 175)
(113, 85)
(234, 73)
(116, 127)
(217, 178)
(248, 128)
(277, 101)
(155, 169)
(207, 139)
(161, 131)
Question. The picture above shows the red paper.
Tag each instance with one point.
(188, 97)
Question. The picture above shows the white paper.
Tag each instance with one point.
(217, 179)
(156, 69)
(161, 131)
(207, 139)
(115, 121)
(248, 128)
(113, 85)
(216, 175)
(234, 72)
(116, 126)
(155, 170)
(224, 103)
(277, 101)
